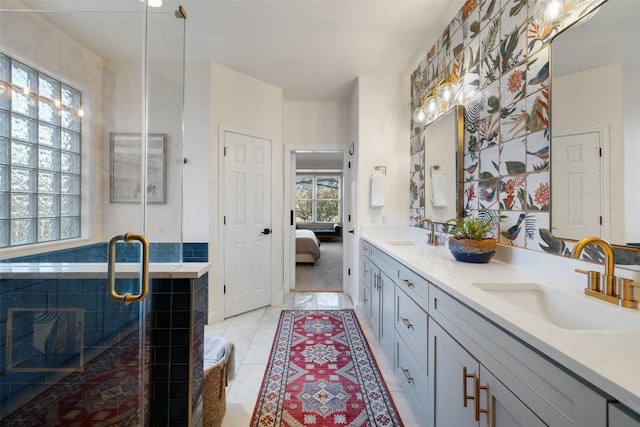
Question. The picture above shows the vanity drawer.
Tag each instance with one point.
(414, 285)
(366, 249)
(384, 261)
(412, 380)
(411, 324)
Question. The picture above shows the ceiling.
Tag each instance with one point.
(312, 49)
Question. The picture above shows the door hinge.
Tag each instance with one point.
(600, 219)
(349, 165)
(224, 289)
(224, 153)
(600, 150)
(349, 216)
(224, 220)
(348, 272)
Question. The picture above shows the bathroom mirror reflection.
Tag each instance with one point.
(443, 139)
(595, 130)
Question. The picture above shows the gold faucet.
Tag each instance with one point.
(433, 239)
(593, 289)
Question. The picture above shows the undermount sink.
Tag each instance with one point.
(560, 309)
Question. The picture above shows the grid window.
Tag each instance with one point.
(317, 198)
(40, 119)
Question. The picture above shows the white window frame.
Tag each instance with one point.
(314, 199)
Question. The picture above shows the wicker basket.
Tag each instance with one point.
(214, 397)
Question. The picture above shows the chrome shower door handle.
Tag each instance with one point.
(111, 268)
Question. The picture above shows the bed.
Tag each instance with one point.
(307, 247)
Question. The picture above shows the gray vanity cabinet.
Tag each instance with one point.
(366, 285)
(465, 394)
(379, 295)
(620, 416)
(446, 353)
(450, 386)
(522, 384)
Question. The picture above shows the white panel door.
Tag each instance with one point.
(247, 228)
(576, 198)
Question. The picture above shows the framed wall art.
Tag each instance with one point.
(126, 168)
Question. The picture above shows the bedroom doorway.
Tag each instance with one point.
(318, 200)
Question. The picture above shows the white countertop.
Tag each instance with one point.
(187, 270)
(608, 359)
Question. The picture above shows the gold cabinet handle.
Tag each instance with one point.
(111, 268)
(487, 394)
(406, 374)
(406, 322)
(407, 282)
(465, 377)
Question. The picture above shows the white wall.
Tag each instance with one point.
(316, 123)
(383, 111)
(243, 103)
(383, 139)
(197, 170)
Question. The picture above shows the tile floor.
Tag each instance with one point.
(252, 334)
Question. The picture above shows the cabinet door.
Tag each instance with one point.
(498, 407)
(620, 416)
(375, 301)
(367, 280)
(387, 295)
(451, 380)
(367, 302)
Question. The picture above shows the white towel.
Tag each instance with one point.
(439, 191)
(377, 191)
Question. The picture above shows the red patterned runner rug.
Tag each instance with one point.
(321, 372)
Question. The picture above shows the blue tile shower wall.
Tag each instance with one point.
(62, 306)
(126, 252)
(176, 315)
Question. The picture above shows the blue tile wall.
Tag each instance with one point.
(176, 314)
(195, 252)
(102, 318)
(126, 252)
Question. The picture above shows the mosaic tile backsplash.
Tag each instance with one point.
(500, 56)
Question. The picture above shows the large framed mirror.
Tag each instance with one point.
(443, 161)
(595, 126)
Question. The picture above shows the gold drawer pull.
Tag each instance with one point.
(406, 322)
(465, 377)
(478, 409)
(407, 282)
(406, 374)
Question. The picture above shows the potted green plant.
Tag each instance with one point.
(472, 239)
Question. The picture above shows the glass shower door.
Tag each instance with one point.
(90, 149)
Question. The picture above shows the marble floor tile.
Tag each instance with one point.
(242, 395)
(260, 347)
